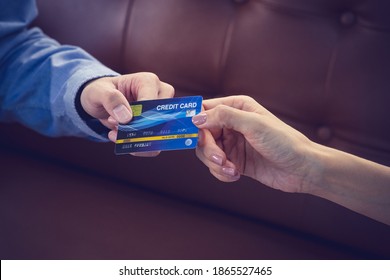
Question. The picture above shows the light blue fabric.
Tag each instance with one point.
(39, 78)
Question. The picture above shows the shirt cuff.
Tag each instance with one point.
(88, 127)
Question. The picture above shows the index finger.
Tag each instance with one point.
(240, 102)
(154, 90)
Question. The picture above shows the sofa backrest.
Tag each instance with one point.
(322, 66)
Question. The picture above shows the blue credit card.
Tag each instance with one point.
(159, 125)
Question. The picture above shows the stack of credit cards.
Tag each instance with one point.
(159, 125)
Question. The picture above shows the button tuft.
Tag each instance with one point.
(348, 18)
(240, 1)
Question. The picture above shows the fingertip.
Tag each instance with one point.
(146, 154)
(112, 135)
(230, 172)
(166, 91)
(224, 177)
(217, 159)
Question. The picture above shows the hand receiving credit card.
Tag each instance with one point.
(159, 125)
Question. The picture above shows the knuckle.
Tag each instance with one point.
(248, 99)
(222, 111)
(225, 114)
(150, 76)
(169, 89)
(113, 96)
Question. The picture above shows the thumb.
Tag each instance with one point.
(101, 99)
(117, 106)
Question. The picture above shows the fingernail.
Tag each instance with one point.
(199, 119)
(122, 114)
(216, 159)
(232, 172)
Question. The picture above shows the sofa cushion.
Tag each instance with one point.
(52, 211)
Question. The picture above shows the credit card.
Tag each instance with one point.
(160, 125)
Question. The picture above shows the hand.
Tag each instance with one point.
(239, 136)
(107, 99)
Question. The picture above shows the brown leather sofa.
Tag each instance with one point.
(322, 66)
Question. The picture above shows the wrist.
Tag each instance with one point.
(330, 171)
(92, 122)
(78, 103)
(316, 161)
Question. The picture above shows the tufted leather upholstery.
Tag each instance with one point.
(322, 66)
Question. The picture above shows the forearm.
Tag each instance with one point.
(355, 183)
(41, 78)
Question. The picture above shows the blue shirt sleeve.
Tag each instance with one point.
(39, 78)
